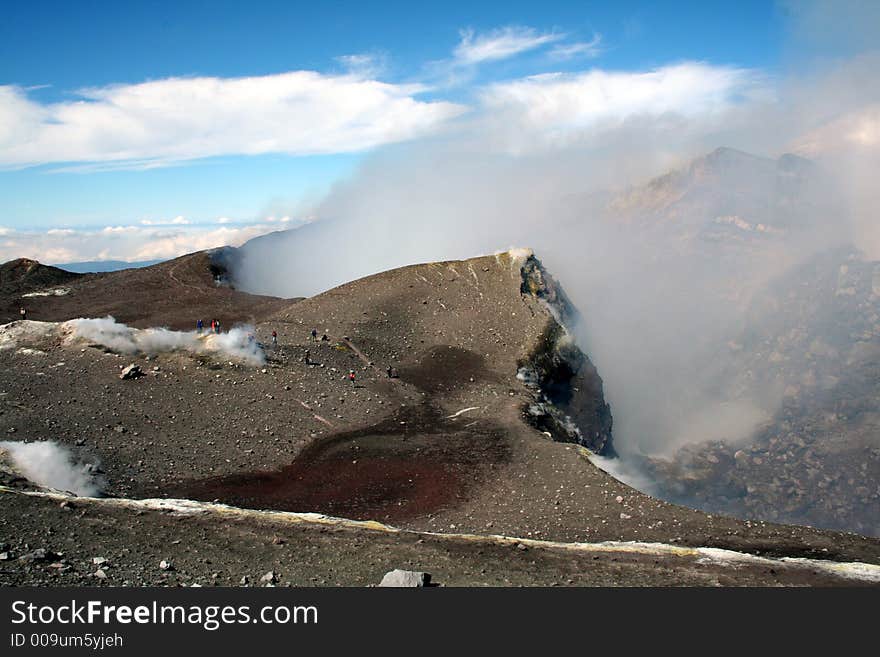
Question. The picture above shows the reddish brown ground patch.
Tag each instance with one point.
(398, 470)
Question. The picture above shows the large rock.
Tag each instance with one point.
(131, 372)
(405, 578)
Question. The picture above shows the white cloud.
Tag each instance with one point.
(858, 129)
(179, 220)
(364, 64)
(500, 43)
(57, 254)
(174, 119)
(555, 108)
(589, 48)
(128, 243)
(170, 245)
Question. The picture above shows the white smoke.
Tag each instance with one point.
(661, 301)
(51, 465)
(624, 471)
(239, 343)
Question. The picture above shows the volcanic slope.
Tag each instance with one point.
(174, 294)
(463, 438)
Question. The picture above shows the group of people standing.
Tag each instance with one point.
(215, 326)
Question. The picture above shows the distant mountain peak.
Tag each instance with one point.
(725, 159)
(726, 188)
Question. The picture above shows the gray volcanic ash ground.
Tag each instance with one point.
(475, 436)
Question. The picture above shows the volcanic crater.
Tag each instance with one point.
(441, 449)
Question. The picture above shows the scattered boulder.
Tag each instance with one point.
(166, 565)
(40, 554)
(405, 578)
(269, 578)
(131, 372)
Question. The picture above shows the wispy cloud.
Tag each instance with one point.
(500, 43)
(175, 119)
(591, 48)
(366, 65)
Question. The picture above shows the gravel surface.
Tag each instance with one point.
(443, 447)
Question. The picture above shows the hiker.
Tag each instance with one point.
(218, 326)
(315, 335)
(213, 326)
(24, 313)
(389, 370)
(275, 339)
(199, 326)
(351, 375)
(307, 358)
(325, 338)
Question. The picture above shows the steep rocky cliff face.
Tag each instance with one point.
(569, 400)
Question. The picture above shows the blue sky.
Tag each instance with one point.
(129, 113)
(69, 45)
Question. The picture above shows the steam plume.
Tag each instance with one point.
(49, 464)
(237, 343)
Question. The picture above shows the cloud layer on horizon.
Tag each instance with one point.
(130, 243)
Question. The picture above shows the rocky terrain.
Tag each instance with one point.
(174, 294)
(477, 431)
(801, 339)
(19, 279)
(121, 543)
(818, 456)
